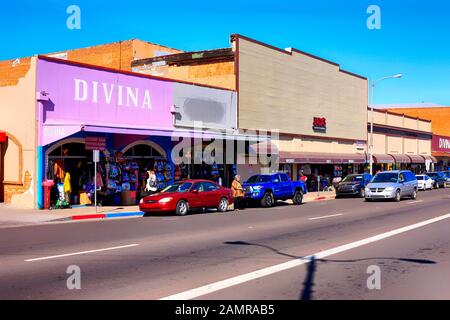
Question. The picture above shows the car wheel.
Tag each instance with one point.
(267, 200)
(223, 205)
(414, 194)
(298, 197)
(398, 196)
(182, 208)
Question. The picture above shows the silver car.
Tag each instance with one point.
(392, 185)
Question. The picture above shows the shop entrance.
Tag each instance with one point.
(70, 166)
(141, 157)
(197, 167)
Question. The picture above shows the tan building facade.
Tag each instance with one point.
(401, 141)
(318, 109)
(440, 117)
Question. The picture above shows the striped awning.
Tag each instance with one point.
(415, 158)
(321, 158)
(431, 158)
(401, 158)
(383, 158)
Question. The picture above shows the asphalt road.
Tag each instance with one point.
(313, 251)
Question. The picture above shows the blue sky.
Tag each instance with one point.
(414, 39)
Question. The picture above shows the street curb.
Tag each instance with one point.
(323, 198)
(100, 216)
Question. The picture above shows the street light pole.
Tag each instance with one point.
(371, 127)
(397, 76)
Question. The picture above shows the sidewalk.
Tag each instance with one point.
(18, 217)
(15, 216)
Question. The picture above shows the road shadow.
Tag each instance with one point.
(311, 267)
(308, 284)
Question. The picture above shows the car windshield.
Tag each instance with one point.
(178, 187)
(259, 179)
(353, 178)
(420, 177)
(386, 177)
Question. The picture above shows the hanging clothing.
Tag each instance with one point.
(58, 169)
(67, 183)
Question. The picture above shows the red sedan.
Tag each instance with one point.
(186, 195)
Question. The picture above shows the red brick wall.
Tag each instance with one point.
(116, 55)
(11, 72)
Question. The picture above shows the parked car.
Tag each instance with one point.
(439, 179)
(447, 176)
(267, 189)
(181, 197)
(424, 182)
(353, 185)
(392, 185)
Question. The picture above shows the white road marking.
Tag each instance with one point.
(81, 252)
(413, 202)
(216, 286)
(324, 217)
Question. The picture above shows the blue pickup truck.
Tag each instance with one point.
(267, 189)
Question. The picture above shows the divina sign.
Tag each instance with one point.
(89, 96)
(125, 96)
(440, 144)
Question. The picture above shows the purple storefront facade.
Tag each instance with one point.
(130, 118)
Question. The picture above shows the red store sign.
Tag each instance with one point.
(440, 144)
(95, 143)
(320, 124)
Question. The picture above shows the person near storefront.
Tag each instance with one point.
(151, 182)
(237, 192)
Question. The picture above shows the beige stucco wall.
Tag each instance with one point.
(306, 144)
(398, 120)
(384, 144)
(379, 143)
(395, 145)
(285, 92)
(17, 109)
(410, 146)
(424, 147)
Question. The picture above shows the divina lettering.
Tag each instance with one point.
(94, 91)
